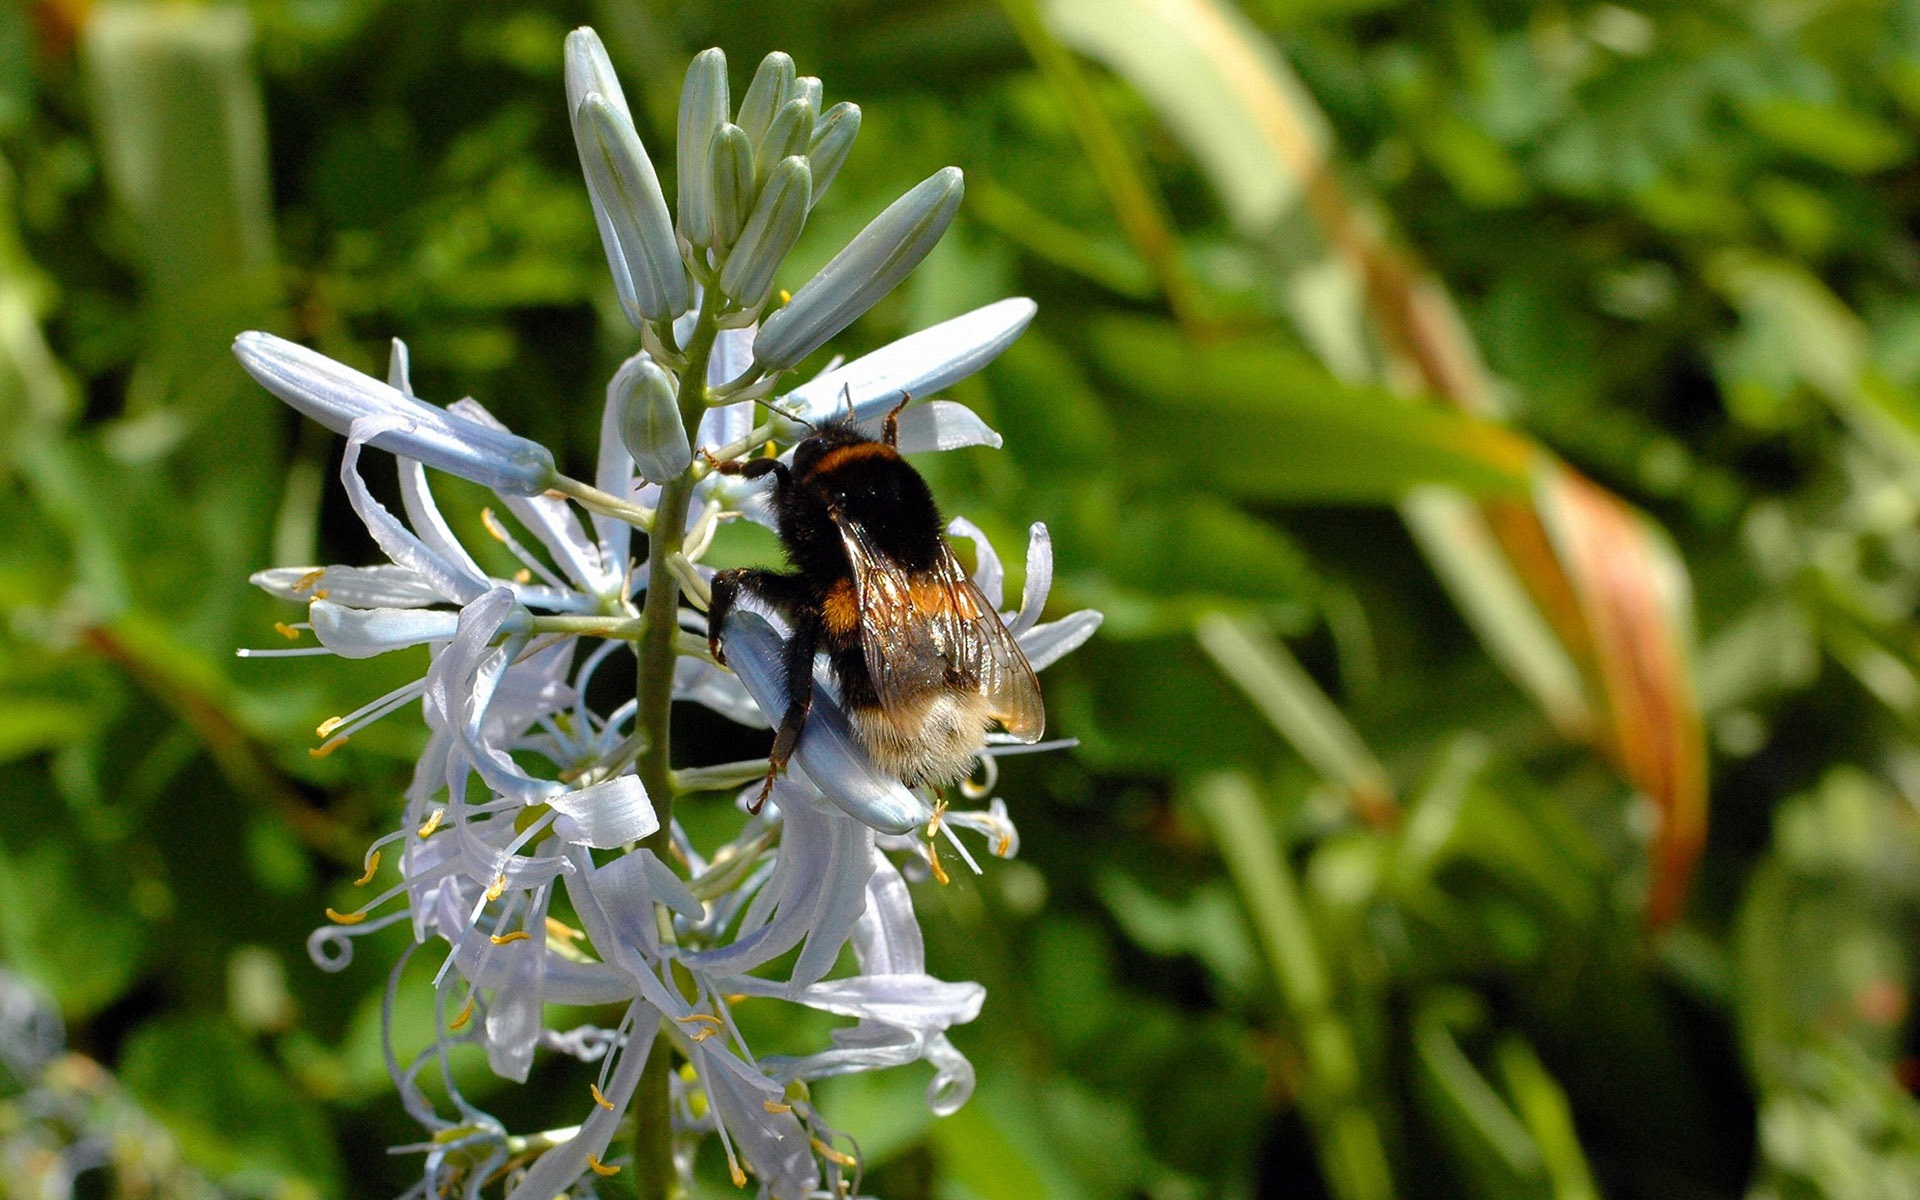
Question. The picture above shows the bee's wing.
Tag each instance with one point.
(934, 631)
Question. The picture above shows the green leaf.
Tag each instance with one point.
(1258, 422)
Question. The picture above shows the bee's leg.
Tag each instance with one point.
(890, 428)
(786, 738)
(753, 468)
(783, 592)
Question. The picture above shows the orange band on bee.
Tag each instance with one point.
(840, 456)
(840, 610)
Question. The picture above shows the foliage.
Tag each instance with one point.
(1346, 888)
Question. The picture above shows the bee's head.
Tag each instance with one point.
(815, 446)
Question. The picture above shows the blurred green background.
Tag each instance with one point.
(1491, 429)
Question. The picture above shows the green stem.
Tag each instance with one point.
(650, 1122)
(1352, 1153)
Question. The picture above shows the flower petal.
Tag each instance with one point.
(336, 395)
(365, 632)
(605, 815)
(828, 753)
(919, 364)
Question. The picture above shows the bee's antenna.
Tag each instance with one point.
(791, 415)
(846, 393)
(890, 428)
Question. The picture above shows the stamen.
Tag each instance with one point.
(599, 1168)
(840, 1157)
(497, 888)
(326, 748)
(533, 566)
(286, 631)
(518, 935)
(703, 1033)
(557, 928)
(466, 1014)
(733, 1169)
(933, 860)
(352, 918)
(309, 579)
(323, 593)
(432, 824)
(774, 1106)
(326, 727)
(599, 1097)
(373, 864)
(700, 1016)
(933, 822)
(373, 710)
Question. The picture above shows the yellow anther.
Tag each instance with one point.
(835, 1156)
(466, 1014)
(736, 998)
(774, 1106)
(492, 525)
(739, 1176)
(373, 864)
(786, 297)
(286, 631)
(323, 593)
(518, 935)
(432, 823)
(326, 727)
(339, 918)
(523, 575)
(1003, 846)
(497, 888)
(708, 1017)
(599, 1098)
(599, 1168)
(933, 860)
(933, 822)
(557, 928)
(328, 747)
(309, 579)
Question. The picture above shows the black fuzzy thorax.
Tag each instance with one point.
(839, 474)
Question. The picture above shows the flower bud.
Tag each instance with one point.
(775, 226)
(810, 88)
(635, 230)
(772, 87)
(877, 259)
(650, 422)
(790, 134)
(833, 136)
(703, 109)
(730, 161)
(589, 70)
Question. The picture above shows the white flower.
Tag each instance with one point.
(526, 800)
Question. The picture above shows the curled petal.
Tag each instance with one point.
(336, 395)
(1047, 644)
(605, 815)
(1033, 594)
(988, 575)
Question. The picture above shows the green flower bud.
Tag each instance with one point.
(772, 87)
(775, 226)
(650, 424)
(730, 160)
(877, 259)
(703, 110)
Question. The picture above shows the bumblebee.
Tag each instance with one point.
(924, 664)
